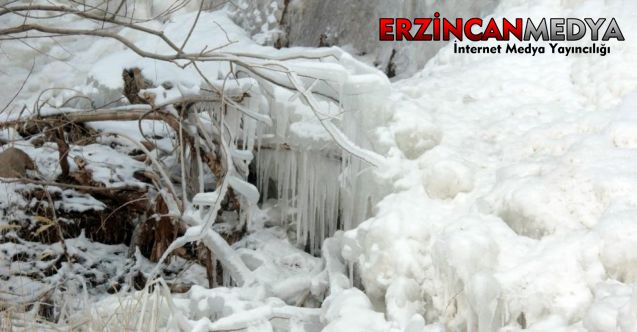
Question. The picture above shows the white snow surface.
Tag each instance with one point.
(514, 191)
(507, 201)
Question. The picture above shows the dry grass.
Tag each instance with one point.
(145, 310)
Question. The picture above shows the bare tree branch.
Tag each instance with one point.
(19, 89)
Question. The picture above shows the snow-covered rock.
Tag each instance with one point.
(348, 24)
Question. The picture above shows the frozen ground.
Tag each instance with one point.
(507, 199)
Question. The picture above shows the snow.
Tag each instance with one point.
(352, 311)
(504, 192)
(503, 197)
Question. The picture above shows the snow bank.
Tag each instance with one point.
(513, 197)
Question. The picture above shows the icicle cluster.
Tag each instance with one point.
(319, 186)
(306, 185)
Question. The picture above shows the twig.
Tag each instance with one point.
(68, 185)
(20, 89)
(192, 28)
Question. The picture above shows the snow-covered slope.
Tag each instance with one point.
(514, 181)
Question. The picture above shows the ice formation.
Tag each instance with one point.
(505, 198)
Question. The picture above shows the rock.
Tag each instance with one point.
(14, 163)
(134, 82)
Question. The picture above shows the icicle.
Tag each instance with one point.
(325, 193)
(307, 182)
